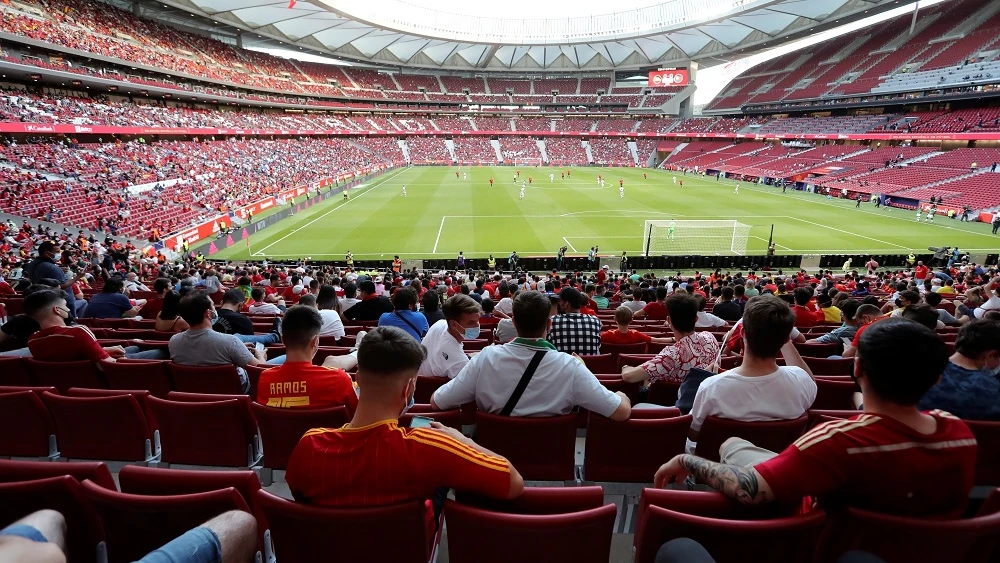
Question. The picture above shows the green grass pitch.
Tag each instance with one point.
(442, 215)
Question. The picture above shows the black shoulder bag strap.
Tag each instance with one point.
(402, 318)
(529, 372)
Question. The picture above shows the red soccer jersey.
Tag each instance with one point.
(631, 337)
(655, 310)
(878, 463)
(382, 464)
(804, 317)
(66, 344)
(301, 384)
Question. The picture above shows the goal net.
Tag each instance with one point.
(527, 162)
(695, 237)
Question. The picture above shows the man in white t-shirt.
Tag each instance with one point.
(560, 381)
(326, 302)
(350, 298)
(706, 319)
(445, 355)
(759, 389)
(993, 303)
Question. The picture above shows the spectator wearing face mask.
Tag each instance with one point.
(445, 355)
(970, 383)
(404, 314)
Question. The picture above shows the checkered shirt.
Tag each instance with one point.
(576, 332)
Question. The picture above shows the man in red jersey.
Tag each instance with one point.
(892, 458)
(373, 462)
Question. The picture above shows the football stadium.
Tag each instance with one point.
(730, 267)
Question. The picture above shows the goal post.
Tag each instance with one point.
(527, 162)
(695, 237)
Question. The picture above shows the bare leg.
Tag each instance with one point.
(17, 548)
(237, 533)
(346, 362)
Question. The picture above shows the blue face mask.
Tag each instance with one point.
(471, 333)
(215, 317)
(408, 406)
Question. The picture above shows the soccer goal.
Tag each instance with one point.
(695, 237)
(527, 162)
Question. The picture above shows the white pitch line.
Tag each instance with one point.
(370, 189)
(438, 239)
(568, 243)
(849, 232)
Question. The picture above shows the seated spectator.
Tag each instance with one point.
(349, 300)
(132, 283)
(905, 299)
(260, 306)
(690, 349)
(805, 314)
(992, 303)
(489, 311)
(727, 309)
(299, 383)
(571, 331)
(830, 313)
(326, 302)
(57, 342)
(656, 310)
(40, 537)
(758, 389)
(371, 307)
(865, 316)
(14, 333)
(431, 309)
(445, 356)
(153, 306)
(923, 314)
(970, 387)
(623, 335)
(848, 310)
(892, 458)
(169, 319)
(338, 467)
(404, 315)
(557, 384)
(933, 300)
(706, 319)
(111, 303)
(231, 321)
(202, 346)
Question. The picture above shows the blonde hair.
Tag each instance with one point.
(623, 315)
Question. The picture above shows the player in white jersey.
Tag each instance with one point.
(621, 192)
(465, 175)
(675, 179)
(737, 189)
(918, 215)
(522, 193)
(404, 191)
(523, 185)
(552, 178)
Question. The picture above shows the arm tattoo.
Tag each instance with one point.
(739, 483)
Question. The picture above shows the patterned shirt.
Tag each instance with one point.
(697, 350)
(576, 333)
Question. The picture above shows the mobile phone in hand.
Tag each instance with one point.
(420, 422)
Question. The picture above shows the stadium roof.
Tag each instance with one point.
(470, 35)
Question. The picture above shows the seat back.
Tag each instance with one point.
(540, 500)
(834, 395)
(216, 380)
(134, 525)
(219, 432)
(988, 451)
(281, 428)
(818, 350)
(615, 383)
(112, 427)
(63, 375)
(36, 433)
(11, 470)
(631, 451)
(616, 349)
(790, 539)
(601, 363)
(541, 448)
(898, 538)
(631, 360)
(663, 393)
(826, 366)
(481, 536)
(139, 480)
(774, 435)
(151, 375)
(299, 531)
(14, 372)
(63, 494)
(426, 386)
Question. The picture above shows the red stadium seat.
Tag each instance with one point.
(63, 494)
(825, 366)
(481, 536)
(153, 481)
(633, 360)
(281, 428)
(541, 448)
(151, 375)
(540, 500)
(11, 470)
(36, 433)
(663, 393)
(602, 363)
(134, 525)
(834, 395)
(426, 386)
(217, 380)
(988, 452)
(299, 531)
(64, 375)
(220, 432)
(898, 538)
(773, 435)
(711, 519)
(614, 383)
(818, 350)
(112, 427)
(13, 372)
(616, 349)
(631, 451)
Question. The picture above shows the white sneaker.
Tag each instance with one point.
(358, 339)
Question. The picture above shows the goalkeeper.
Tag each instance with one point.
(670, 230)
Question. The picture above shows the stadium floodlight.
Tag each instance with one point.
(695, 237)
